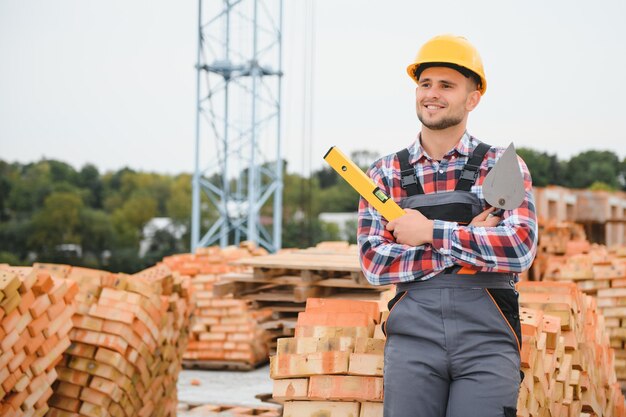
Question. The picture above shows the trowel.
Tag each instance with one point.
(503, 186)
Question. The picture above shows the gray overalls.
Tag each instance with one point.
(453, 341)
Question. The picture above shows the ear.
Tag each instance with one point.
(472, 101)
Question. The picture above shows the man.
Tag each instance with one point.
(453, 332)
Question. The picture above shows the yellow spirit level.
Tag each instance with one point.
(363, 184)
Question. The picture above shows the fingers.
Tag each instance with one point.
(485, 214)
(492, 221)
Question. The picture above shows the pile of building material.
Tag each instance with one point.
(128, 335)
(35, 320)
(334, 364)
(283, 282)
(225, 332)
(600, 272)
(555, 241)
(568, 363)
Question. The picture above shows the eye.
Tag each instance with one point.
(425, 85)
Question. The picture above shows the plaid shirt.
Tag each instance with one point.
(509, 247)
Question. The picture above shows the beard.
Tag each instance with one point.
(442, 124)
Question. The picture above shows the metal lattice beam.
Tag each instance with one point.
(238, 172)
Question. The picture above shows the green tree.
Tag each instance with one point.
(89, 179)
(130, 219)
(545, 169)
(98, 232)
(57, 222)
(588, 167)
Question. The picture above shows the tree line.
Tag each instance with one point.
(51, 212)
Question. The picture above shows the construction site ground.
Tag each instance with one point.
(224, 387)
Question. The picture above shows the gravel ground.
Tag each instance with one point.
(224, 387)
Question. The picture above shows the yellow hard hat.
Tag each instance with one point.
(450, 49)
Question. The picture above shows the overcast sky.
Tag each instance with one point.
(113, 82)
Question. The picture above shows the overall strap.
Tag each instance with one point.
(472, 168)
(408, 179)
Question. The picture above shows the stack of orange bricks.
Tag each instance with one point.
(600, 272)
(35, 319)
(128, 336)
(224, 330)
(334, 364)
(566, 358)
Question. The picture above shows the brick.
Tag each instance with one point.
(43, 284)
(47, 346)
(369, 409)
(366, 364)
(369, 345)
(115, 359)
(334, 319)
(41, 364)
(107, 387)
(17, 399)
(65, 403)
(11, 303)
(23, 322)
(95, 397)
(314, 344)
(110, 313)
(36, 326)
(294, 365)
(68, 390)
(22, 383)
(124, 333)
(82, 350)
(72, 291)
(21, 342)
(9, 283)
(290, 389)
(321, 408)
(34, 343)
(39, 307)
(72, 376)
(10, 321)
(9, 340)
(56, 309)
(59, 321)
(345, 388)
(58, 291)
(28, 298)
(343, 306)
(11, 380)
(87, 323)
(552, 328)
(333, 331)
(17, 360)
(25, 366)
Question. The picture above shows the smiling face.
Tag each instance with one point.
(444, 98)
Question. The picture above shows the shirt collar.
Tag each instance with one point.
(417, 152)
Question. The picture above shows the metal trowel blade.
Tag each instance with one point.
(503, 187)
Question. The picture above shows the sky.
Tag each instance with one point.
(113, 83)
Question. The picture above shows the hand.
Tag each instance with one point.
(412, 229)
(485, 220)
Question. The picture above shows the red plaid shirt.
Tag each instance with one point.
(509, 247)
